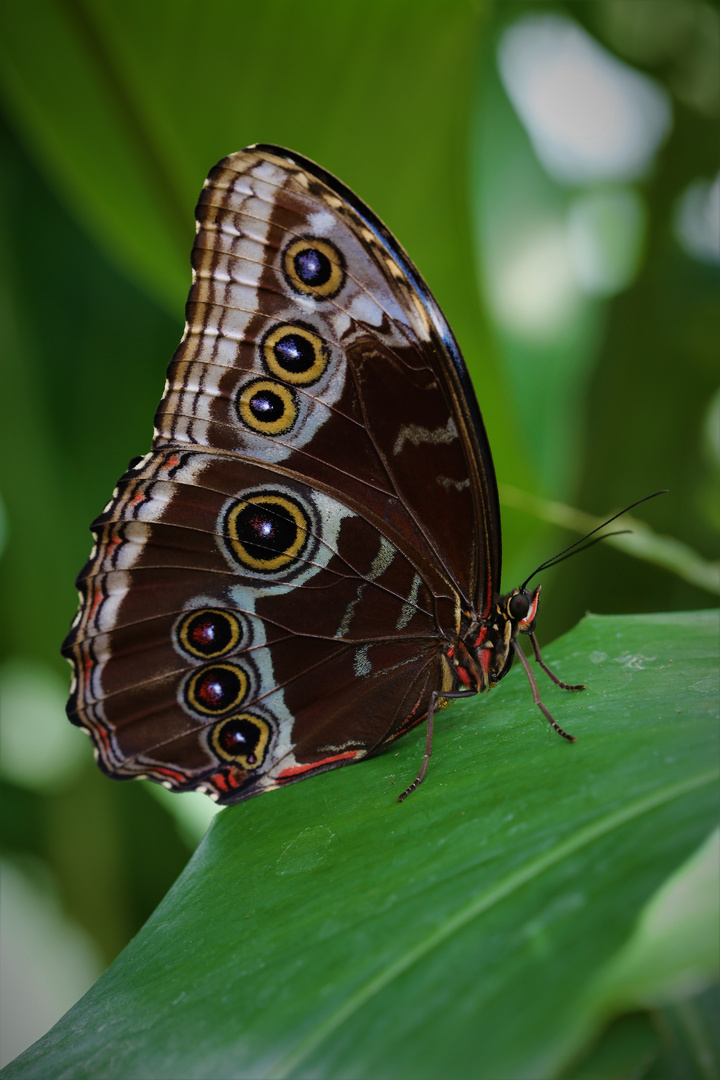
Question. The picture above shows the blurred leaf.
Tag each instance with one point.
(324, 930)
(128, 105)
(641, 542)
(47, 961)
(680, 1042)
(691, 1039)
(675, 946)
(626, 1049)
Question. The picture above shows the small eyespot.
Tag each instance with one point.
(266, 531)
(518, 606)
(266, 407)
(241, 739)
(208, 633)
(295, 354)
(314, 267)
(216, 688)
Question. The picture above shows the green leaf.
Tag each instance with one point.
(675, 949)
(325, 930)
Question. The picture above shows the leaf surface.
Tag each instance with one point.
(324, 930)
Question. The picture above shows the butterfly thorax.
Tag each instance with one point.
(483, 652)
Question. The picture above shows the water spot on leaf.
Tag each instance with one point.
(306, 851)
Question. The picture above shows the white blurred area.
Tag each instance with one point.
(39, 749)
(596, 125)
(193, 812)
(590, 116)
(47, 961)
(543, 274)
(697, 220)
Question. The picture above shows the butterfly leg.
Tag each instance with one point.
(434, 698)
(536, 694)
(546, 669)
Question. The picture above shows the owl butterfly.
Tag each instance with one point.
(307, 562)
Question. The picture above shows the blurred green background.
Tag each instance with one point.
(552, 169)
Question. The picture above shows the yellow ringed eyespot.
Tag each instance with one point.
(295, 354)
(208, 633)
(267, 407)
(266, 531)
(216, 688)
(242, 739)
(314, 267)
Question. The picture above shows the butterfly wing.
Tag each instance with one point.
(272, 585)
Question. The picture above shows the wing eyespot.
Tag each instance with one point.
(241, 739)
(267, 407)
(208, 633)
(266, 532)
(215, 689)
(295, 354)
(314, 267)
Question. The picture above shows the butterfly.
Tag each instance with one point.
(307, 563)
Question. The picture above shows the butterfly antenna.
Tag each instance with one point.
(576, 548)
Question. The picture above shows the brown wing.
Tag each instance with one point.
(273, 584)
(231, 611)
(387, 418)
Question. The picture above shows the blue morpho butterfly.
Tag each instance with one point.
(307, 562)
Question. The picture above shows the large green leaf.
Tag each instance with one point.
(325, 930)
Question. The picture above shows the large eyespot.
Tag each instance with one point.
(241, 739)
(295, 354)
(518, 606)
(314, 267)
(208, 633)
(266, 531)
(215, 689)
(267, 407)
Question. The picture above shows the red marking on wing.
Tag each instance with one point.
(110, 546)
(484, 658)
(137, 498)
(481, 637)
(104, 736)
(172, 461)
(235, 776)
(298, 770)
(169, 772)
(88, 665)
(96, 601)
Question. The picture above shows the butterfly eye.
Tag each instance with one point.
(266, 533)
(242, 739)
(216, 689)
(518, 606)
(267, 407)
(208, 633)
(295, 354)
(314, 267)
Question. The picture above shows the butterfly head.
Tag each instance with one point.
(519, 608)
(485, 653)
